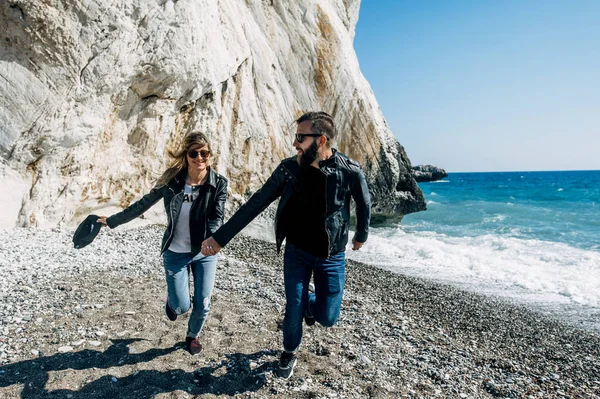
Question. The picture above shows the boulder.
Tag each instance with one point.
(425, 173)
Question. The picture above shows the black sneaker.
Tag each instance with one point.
(308, 319)
(287, 362)
(169, 312)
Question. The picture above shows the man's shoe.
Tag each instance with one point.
(309, 320)
(287, 362)
(169, 312)
(193, 345)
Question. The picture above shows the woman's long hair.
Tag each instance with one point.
(179, 157)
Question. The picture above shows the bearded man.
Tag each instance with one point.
(313, 216)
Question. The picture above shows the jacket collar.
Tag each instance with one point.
(331, 160)
(212, 177)
(179, 180)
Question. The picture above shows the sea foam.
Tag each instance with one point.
(489, 263)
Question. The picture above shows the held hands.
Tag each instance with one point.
(356, 245)
(210, 247)
(102, 220)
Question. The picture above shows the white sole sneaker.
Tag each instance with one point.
(287, 372)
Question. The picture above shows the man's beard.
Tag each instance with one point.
(310, 155)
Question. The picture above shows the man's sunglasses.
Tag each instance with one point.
(194, 153)
(300, 136)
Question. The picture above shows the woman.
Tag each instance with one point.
(194, 196)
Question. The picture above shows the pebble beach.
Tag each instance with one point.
(89, 323)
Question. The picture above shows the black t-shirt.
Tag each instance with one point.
(304, 214)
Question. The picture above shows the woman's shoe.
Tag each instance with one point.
(193, 345)
(169, 312)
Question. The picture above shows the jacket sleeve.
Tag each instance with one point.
(136, 209)
(259, 201)
(217, 211)
(360, 193)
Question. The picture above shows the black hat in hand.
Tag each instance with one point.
(86, 231)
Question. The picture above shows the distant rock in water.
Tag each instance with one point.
(425, 173)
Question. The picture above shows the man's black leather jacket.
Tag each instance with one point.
(206, 213)
(345, 179)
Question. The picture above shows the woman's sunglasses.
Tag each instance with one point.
(194, 153)
(300, 136)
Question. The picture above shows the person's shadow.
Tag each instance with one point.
(236, 374)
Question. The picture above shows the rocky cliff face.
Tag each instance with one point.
(93, 92)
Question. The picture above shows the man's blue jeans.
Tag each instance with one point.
(324, 304)
(177, 272)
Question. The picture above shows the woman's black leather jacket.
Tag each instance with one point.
(206, 214)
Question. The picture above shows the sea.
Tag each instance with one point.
(532, 238)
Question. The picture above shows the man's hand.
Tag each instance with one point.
(210, 247)
(356, 245)
(102, 220)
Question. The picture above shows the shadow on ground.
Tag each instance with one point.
(232, 375)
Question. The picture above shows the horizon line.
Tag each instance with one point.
(528, 171)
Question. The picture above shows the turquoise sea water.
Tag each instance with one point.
(534, 236)
(562, 207)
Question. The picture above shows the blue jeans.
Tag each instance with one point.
(177, 272)
(324, 304)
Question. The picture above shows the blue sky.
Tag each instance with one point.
(487, 85)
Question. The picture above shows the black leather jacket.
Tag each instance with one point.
(206, 214)
(344, 179)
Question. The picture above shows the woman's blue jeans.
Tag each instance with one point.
(177, 272)
(324, 304)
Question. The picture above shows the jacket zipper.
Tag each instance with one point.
(172, 222)
(206, 200)
(206, 197)
(325, 219)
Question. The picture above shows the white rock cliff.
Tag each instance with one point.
(93, 92)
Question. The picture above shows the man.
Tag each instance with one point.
(313, 216)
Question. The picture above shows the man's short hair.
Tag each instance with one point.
(320, 122)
